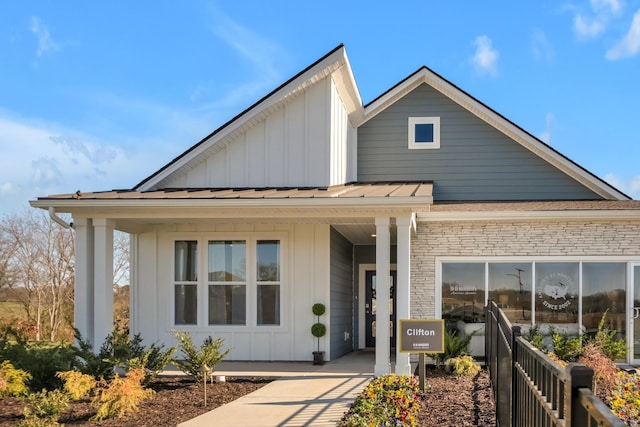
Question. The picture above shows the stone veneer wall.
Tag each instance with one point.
(503, 239)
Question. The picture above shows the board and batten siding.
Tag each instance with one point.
(305, 144)
(475, 161)
(341, 289)
(304, 281)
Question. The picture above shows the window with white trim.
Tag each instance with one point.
(186, 282)
(424, 133)
(236, 282)
(227, 282)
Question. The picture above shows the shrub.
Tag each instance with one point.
(605, 339)
(13, 382)
(209, 354)
(386, 401)
(120, 396)
(605, 372)
(535, 337)
(454, 345)
(567, 347)
(462, 365)
(76, 384)
(625, 398)
(44, 408)
(41, 359)
(97, 365)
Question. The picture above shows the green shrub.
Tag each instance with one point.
(454, 345)
(462, 365)
(76, 384)
(45, 407)
(535, 337)
(389, 400)
(13, 382)
(567, 347)
(605, 339)
(153, 360)
(86, 361)
(120, 396)
(41, 359)
(209, 354)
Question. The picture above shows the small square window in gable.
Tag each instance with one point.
(424, 133)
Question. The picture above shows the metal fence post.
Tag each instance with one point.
(578, 376)
(515, 333)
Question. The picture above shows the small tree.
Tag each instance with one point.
(195, 359)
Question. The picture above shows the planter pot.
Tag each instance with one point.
(318, 357)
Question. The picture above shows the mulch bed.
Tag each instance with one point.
(176, 400)
(451, 401)
(457, 400)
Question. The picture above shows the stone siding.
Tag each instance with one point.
(506, 239)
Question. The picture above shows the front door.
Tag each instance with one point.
(370, 308)
(635, 314)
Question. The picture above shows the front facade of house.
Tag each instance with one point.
(423, 203)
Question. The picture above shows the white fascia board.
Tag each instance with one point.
(326, 67)
(489, 116)
(368, 202)
(529, 215)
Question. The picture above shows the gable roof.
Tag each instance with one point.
(427, 76)
(333, 63)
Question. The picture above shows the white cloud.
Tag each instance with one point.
(587, 30)
(615, 6)
(540, 46)
(545, 136)
(8, 188)
(630, 43)
(485, 59)
(630, 186)
(46, 44)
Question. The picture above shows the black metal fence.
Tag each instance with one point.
(530, 389)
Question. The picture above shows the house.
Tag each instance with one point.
(422, 203)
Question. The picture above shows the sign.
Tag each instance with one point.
(422, 336)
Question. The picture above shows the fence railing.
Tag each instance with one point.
(530, 389)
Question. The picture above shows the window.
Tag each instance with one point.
(227, 282)
(424, 132)
(268, 282)
(463, 292)
(237, 282)
(186, 282)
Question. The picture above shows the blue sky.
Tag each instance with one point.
(99, 95)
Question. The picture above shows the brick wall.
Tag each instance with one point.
(503, 239)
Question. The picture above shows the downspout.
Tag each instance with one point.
(56, 218)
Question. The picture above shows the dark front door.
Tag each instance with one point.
(370, 308)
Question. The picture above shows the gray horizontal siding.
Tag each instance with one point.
(475, 161)
(341, 294)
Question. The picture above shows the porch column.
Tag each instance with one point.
(403, 364)
(383, 365)
(83, 291)
(103, 280)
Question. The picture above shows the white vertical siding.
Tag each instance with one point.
(308, 142)
(305, 281)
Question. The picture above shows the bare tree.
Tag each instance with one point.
(40, 269)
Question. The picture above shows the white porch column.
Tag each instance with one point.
(83, 307)
(383, 365)
(103, 280)
(403, 364)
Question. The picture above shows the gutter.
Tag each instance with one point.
(56, 218)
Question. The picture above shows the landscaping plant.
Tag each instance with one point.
(76, 384)
(44, 408)
(389, 400)
(462, 365)
(13, 382)
(454, 345)
(120, 396)
(625, 398)
(195, 359)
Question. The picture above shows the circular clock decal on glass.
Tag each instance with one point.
(557, 291)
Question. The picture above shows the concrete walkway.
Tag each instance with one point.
(302, 394)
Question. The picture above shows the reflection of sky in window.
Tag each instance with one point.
(467, 274)
(543, 269)
(505, 276)
(602, 277)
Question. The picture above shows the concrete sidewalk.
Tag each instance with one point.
(302, 394)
